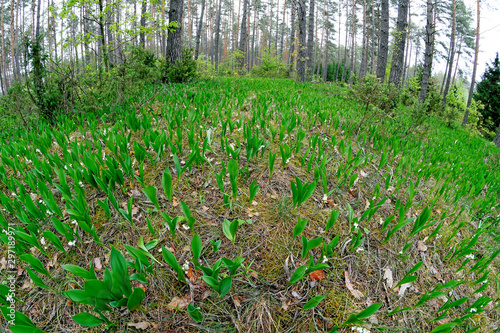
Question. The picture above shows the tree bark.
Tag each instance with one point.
(452, 49)
(383, 46)
(217, 37)
(142, 34)
(310, 39)
(4, 62)
(301, 61)
(198, 32)
(362, 70)
(174, 39)
(429, 39)
(399, 45)
(473, 79)
(243, 34)
(292, 35)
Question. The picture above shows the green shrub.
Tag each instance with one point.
(183, 70)
(271, 67)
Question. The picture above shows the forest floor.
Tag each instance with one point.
(398, 219)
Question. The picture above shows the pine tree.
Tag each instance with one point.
(488, 93)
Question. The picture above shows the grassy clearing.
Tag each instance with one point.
(407, 197)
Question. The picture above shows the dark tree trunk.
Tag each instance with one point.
(217, 37)
(243, 34)
(452, 49)
(429, 38)
(198, 32)
(301, 60)
(325, 56)
(104, 48)
(383, 45)
(292, 35)
(174, 39)
(364, 57)
(398, 55)
(473, 80)
(310, 39)
(338, 44)
(142, 34)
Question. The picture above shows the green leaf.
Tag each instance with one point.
(166, 183)
(35, 263)
(194, 313)
(119, 271)
(172, 262)
(369, 311)
(299, 227)
(88, 320)
(196, 246)
(225, 286)
(229, 229)
(150, 192)
(135, 299)
(39, 282)
(298, 274)
(313, 302)
(333, 218)
(54, 240)
(77, 270)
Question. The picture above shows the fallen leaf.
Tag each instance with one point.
(254, 203)
(330, 202)
(142, 325)
(254, 274)
(362, 173)
(135, 193)
(204, 208)
(175, 201)
(388, 277)
(237, 301)
(178, 303)
(317, 275)
(137, 173)
(97, 264)
(421, 246)
(356, 293)
(403, 288)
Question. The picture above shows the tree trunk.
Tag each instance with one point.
(217, 37)
(352, 66)
(282, 50)
(310, 39)
(253, 34)
(374, 40)
(362, 70)
(383, 46)
(407, 43)
(174, 40)
(142, 34)
(338, 43)
(399, 45)
(429, 38)
(301, 61)
(198, 32)
(292, 35)
(344, 64)
(243, 34)
(325, 55)
(473, 80)
(4, 63)
(458, 59)
(12, 41)
(452, 49)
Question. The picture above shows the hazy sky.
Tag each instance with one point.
(489, 43)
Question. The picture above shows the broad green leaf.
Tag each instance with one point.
(194, 313)
(135, 299)
(88, 320)
(313, 302)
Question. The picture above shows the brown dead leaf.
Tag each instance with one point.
(356, 293)
(254, 274)
(237, 301)
(204, 208)
(421, 246)
(388, 277)
(142, 325)
(330, 202)
(178, 303)
(443, 321)
(97, 264)
(317, 275)
(135, 193)
(136, 172)
(175, 201)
